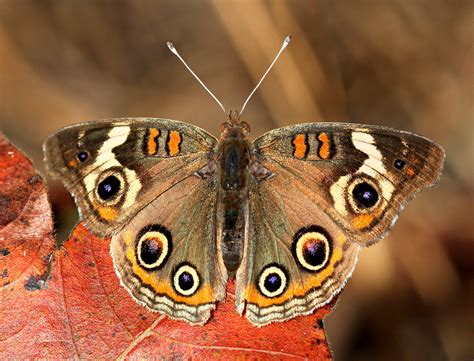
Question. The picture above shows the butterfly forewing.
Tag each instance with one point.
(115, 167)
(361, 175)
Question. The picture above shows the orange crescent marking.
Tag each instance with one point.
(173, 142)
(362, 221)
(72, 164)
(324, 151)
(163, 286)
(301, 148)
(107, 213)
(152, 146)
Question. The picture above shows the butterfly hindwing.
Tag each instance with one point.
(279, 277)
(166, 255)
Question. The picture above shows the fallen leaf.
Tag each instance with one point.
(67, 302)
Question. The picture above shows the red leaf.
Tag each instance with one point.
(68, 303)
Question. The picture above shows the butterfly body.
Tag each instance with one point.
(234, 158)
(285, 214)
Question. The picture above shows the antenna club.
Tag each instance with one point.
(171, 47)
(287, 39)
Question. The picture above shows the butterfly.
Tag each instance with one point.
(285, 214)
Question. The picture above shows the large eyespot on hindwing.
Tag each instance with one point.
(312, 248)
(110, 187)
(273, 280)
(153, 246)
(185, 279)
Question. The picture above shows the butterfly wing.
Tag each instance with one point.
(279, 278)
(140, 180)
(114, 167)
(324, 189)
(362, 175)
(166, 256)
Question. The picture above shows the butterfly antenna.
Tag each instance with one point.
(175, 52)
(286, 41)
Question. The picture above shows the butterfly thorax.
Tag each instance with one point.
(233, 160)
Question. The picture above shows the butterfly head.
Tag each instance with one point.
(234, 127)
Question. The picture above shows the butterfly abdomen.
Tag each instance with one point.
(233, 169)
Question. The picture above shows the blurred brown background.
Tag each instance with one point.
(406, 64)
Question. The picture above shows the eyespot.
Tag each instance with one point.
(82, 156)
(311, 248)
(186, 280)
(399, 164)
(272, 281)
(108, 187)
(365, 195)
(153, 246)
